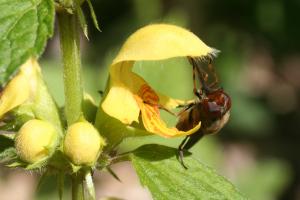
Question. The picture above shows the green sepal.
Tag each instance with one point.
(82, 21)
(75, 168)
(44, 107)
(41, 180)
(113, 173)
(93, 15)
(16, 163)
(8, 155)
(10, 136)
(6, 141)
(37, 165)
(8, 127)
(103, 161)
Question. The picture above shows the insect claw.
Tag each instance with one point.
(180, 157)
(180, 154)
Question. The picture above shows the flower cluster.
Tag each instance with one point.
(128, 98)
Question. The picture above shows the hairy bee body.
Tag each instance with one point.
(211, 107)
(213, 110)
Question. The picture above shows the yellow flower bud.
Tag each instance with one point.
(83, 144)
(36, 140)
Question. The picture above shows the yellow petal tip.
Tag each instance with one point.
(163, 41)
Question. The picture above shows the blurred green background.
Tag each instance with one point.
(259, 66)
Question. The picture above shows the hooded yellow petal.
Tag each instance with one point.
(153, 42)
(19, 88)
(162, 41)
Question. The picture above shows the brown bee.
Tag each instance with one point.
(211, 107)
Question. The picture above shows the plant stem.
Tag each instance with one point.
(70, 47)
(77, 187)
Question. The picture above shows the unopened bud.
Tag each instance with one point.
(83, 144)
(36, 140)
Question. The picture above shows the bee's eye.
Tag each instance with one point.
(212, 109)
(216, 104)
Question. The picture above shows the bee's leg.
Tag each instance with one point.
(203, 76)
(166, 109)
(180, 152)
(185, 109)
(195, 90)
(193, 139)
(188, 142)
(194, 64)
(161, 107)
(216, 79)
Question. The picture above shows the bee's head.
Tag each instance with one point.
(215, 110)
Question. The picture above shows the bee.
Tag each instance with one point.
(211, 107)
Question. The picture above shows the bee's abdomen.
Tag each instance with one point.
(189, 119)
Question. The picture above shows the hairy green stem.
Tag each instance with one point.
(70, 47)
(77, 187)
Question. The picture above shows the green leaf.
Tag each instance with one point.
(159, 170)
(25, 26)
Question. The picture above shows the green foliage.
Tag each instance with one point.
(82, 21)
(25, 27)
(8, 154)
(159, 170)
(93, 15)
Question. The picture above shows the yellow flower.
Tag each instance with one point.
(129, 95)
(20, 88)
